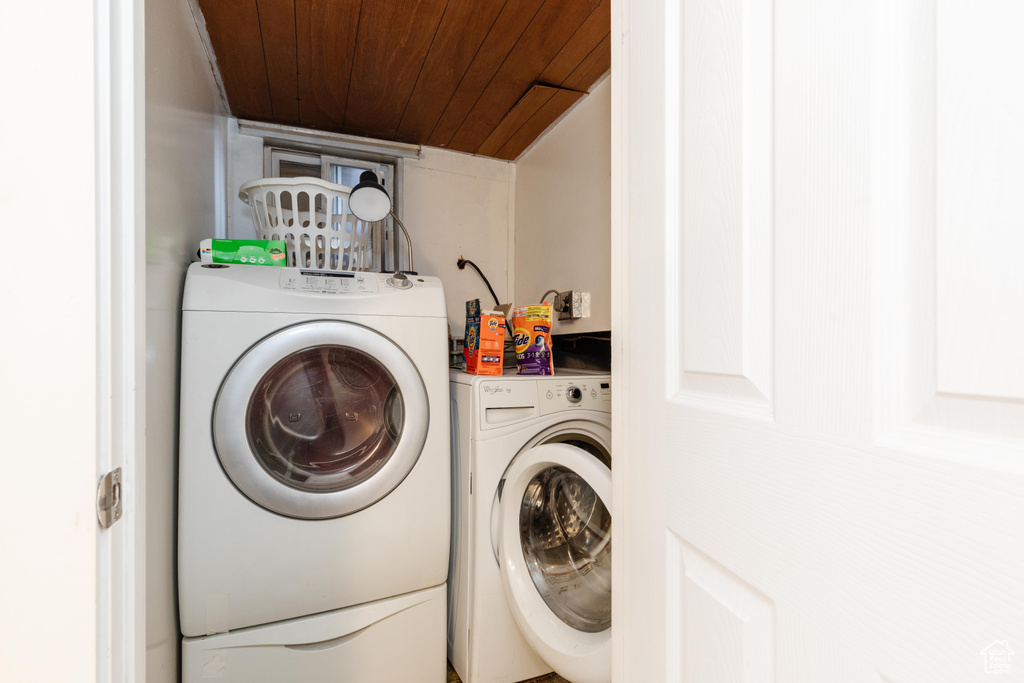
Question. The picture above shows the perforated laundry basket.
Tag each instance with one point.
(312, 217)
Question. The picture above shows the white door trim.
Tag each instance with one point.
(620, 340)
(637, 200)
(120, 266)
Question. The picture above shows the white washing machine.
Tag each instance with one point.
(530, 577)
(314, 473)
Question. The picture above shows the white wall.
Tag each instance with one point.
(245, 163)
(460, 205)
(563, 212)
(184, 151)
(453, 205)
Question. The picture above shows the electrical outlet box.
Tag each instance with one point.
(572, 305)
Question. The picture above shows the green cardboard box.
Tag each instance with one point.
(249, 252)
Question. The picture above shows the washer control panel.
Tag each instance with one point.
(577, 392)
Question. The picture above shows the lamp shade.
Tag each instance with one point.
(369, 201)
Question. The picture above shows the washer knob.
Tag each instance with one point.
(400, 281)
(574, 394)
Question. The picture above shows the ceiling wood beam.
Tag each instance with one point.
(515, 16)
(234, 28)
(590, 70)
(277, 27)
(325, 40)
(525, 108)
(462, 32)
(549, 112)
(549, 31)
(587, 37)
(392, 45)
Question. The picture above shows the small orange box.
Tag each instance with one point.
(485, 342)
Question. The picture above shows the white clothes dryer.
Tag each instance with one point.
(530, 575)
(314, 476)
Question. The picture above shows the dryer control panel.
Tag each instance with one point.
(321, 282)
(243, 287)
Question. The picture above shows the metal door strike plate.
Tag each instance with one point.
(108, 499)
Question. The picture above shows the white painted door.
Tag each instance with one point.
(819, 324)
(71, 604)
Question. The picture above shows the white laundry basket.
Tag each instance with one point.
(312, 217)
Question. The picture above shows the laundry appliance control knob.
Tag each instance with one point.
(400, 281)
(574, 394)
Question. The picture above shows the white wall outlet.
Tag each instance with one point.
(572, 305)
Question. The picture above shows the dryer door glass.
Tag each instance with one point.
(325, 419)
(565, 531)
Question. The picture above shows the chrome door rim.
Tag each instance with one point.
(584, 427)
(232, 444)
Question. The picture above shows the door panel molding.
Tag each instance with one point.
(948, 379)
(726, 626)
(720, 233)
(884, 555)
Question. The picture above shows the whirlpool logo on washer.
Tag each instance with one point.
(497, 390)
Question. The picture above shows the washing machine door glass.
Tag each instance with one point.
(324, 419)
(555, 551)
(565, 533)
(320, 420)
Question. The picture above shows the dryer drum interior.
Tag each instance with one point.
(325, 418)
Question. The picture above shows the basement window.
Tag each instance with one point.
(283, 163)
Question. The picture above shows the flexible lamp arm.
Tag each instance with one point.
(408, 240)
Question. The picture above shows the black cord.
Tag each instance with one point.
(462, 263)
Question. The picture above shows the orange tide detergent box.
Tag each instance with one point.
(531, 332)
(485, 340)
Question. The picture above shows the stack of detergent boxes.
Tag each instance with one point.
(485, 340)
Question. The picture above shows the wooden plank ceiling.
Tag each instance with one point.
(480, 76)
